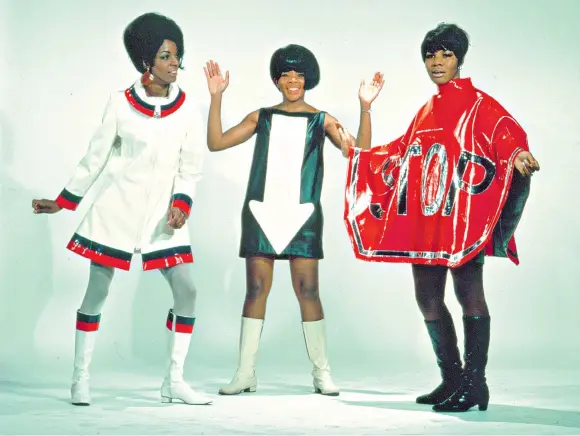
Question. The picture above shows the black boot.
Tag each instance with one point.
(444, 340)
(473, 390)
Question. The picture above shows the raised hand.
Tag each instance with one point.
(215, 81)
(45, 206)
(347, 141)
(368, 92)
(526, 164)
(176, 218)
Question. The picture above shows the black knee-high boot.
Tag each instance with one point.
(473, 390)
(444, 340)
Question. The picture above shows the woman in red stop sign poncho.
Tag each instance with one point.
(442, 197)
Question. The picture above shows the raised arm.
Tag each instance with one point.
(217, 140)
(367, 94)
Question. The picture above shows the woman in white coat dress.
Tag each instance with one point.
(150, 137)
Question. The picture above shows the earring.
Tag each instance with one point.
(147, 78)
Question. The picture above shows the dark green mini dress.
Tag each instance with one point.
(282, 216)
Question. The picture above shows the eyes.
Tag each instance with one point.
(287, 74)
(446, 54)
(165, 56)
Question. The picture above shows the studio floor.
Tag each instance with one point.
(522, 403)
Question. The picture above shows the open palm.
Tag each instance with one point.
(368, 92)
(215, 81)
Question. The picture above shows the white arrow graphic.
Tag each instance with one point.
(280, 214)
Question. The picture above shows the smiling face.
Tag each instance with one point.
(442, 66)
(166, 63)
(291, 85)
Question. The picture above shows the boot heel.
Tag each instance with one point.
(483, 406)
(250, 389)
(166, 399)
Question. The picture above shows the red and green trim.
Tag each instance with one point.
(182, 202)
(167, 258)
(68, 200)
(88, 323)
(183, 324)
(100, 253)
(148, 109)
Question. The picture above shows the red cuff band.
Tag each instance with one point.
(66, 204)
(181, 205)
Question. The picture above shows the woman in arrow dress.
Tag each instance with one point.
(464, 143)
(282, 216)
(153, 145)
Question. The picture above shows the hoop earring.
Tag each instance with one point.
(147, 78)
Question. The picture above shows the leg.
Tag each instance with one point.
(88, 320)
(468, 282)
(179, 278)
(430, 295)
(259, 275)
(100, 278)
(180, 323)
(305, 282)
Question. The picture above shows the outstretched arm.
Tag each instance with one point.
(89, 168)
(217, 140)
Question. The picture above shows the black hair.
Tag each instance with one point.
(295, 58)
(145, 34)
(446, 37)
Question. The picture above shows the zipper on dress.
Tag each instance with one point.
(148, 194)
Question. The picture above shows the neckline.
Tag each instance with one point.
(455, 85)
(292, 113)
(152, 106)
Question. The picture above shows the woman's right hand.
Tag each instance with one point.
(45, 206)
(215, 81)
(347, 141)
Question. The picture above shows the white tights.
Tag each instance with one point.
(178, 277)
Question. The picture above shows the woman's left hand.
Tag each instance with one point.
(176, 218)
(526, 164)
(369, 91)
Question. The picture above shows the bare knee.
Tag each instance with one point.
(306, 291)
(256, 289)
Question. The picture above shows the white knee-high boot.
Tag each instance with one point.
(87, 328)
(180, 329)
(245, 378)
(315, 338)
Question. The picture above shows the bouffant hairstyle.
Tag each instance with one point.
(145, 34)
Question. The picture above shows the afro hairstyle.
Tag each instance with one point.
(295, 58)
(446, 37)
(146, 33)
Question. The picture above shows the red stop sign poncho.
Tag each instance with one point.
(444, 191)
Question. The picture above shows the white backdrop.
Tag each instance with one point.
(62, 58)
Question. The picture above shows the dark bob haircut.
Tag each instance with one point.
(295, 58)
(446, 37)
(144, 36)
